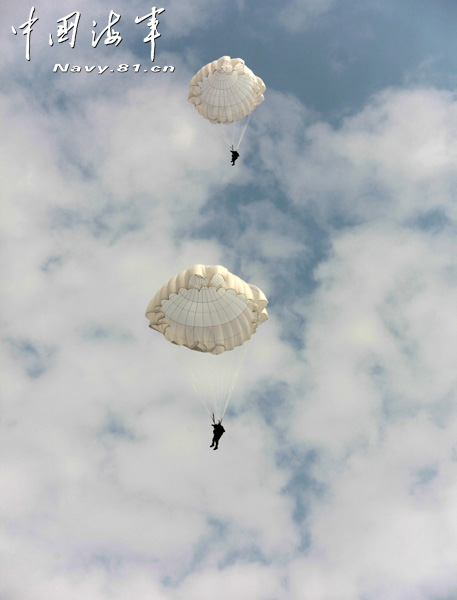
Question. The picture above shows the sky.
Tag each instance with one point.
(336, 478)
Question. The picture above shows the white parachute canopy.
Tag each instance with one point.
(211, 314)
(226, 92)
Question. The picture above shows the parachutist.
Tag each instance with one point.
(218, 432)
(235, 155)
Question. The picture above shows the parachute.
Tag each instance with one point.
(210, 313)
(226, 91)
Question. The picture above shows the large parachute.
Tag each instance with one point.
(225, 91)
(211, 313)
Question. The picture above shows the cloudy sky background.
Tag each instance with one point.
(337, 477)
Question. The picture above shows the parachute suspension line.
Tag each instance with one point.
(236, 371)
(211, 377)
(243, 131)
(191, 376)
(228, 139)
(220, 384)
(223, 383)
(233, 133)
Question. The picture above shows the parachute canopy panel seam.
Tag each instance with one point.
(242, 300)
(226, 90)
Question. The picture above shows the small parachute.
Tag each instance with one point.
(226, 91)
(211, 313)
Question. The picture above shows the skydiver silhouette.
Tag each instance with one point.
(218, 432)
(235, 155)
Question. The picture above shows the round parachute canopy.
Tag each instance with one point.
(207, 309)
(226, 90)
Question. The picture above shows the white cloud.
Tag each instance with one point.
(384, 533)
(300, 14)
(379, 387)
(393, 160)
(252, 582)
